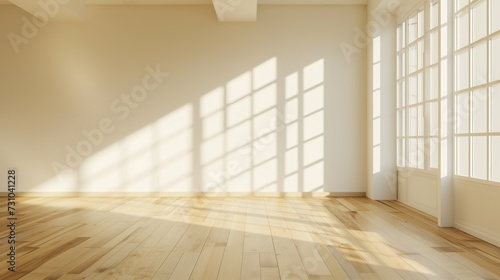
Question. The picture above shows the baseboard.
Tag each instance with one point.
(188, 194)
(479, 233)
(348, 194)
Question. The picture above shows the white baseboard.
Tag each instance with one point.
(187, 194)
(491, 237)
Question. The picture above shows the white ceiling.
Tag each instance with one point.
(209, 2)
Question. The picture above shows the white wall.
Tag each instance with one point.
(419, 190)
(477, 208)
(381, 92)
(70, 77)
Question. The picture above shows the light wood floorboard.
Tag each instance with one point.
(228, 238)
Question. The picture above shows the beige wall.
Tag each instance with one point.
(209, 126)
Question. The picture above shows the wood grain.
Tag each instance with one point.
(239, 238)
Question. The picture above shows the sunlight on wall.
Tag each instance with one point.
(255, 141)
(156, 158)
(244, 136)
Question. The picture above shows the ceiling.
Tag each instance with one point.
(226, 10)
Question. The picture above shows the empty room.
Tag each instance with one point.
(250, 139)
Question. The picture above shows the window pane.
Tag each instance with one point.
(412, 28)
(401, 123)
(413, 59)
(421, 121)
(479, 111)
(401, 36)
(434, 153)
(434, 57)
(462, 70)
(401, 65)
(462, 30)
(479, 20)
(420, 87)
(413, 90)
(401, 93)
(495, 59)
(494, 109)
(413, 115)
(479, 65)
(421, 153)
(462, 156)
(434, 118)
(444, 12)
(401, 152)
(444, 41)
(495, 19)
(459, 4)
(462, 113)
(434, 13)
(413, 153)
(479, 157)
(420, 53)
(433, 82)
(495, 158)
(420, 24)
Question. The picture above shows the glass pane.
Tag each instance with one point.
(462, 113)
(479, 111)
(444, 12)
(434, 153)
(479, 64)
(401, 93)
(495, 59)
(401, 36)
(413, 59)
(494, 109)
(495, 158)
(413, 153)
(413, 90)
(401, 152)
(420, 87)
(401, 65)
(401, 123)
(444, 41)
(462, 70)
(434, 118)
(412, 28)
(479, 20)
(420, 24)
(495, 19)
(462, 156)
(479, 157)
(421, 153)
(413, 122)
(434, 13)
(462, 30)
(459, 4)
(433, 83)
(434, 51)
(421, 121)
(420, 53)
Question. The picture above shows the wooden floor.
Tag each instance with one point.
(238, 238)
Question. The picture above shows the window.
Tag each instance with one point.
(477, 89)
(418, 89)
